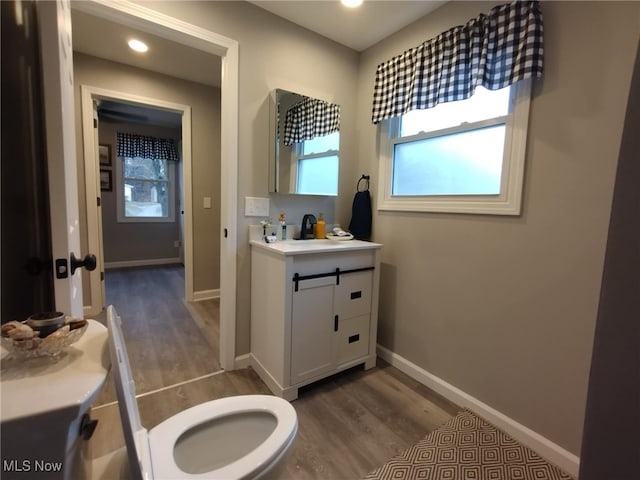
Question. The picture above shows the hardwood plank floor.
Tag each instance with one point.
(349, 424)
(168, 340)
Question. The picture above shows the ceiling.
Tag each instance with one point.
(357, 28)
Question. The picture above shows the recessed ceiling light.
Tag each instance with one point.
(351, 3)
(138, 46)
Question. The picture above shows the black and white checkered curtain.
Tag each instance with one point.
(494, 50)
(310, 118)
(131, 145)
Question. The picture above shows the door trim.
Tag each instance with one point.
(89, 94)
(179, 31)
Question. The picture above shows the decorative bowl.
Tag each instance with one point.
(50, 346)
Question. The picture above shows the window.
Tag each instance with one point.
(146, 190)
(465, 156)
(315, 162)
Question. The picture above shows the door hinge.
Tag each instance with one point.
(101, 276)
(95, 123)
(98, 199)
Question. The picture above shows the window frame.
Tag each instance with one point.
(120, 203)
(297, 156)
(507, 202)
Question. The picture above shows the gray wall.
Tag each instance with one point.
(504, 308)
(205, 135)
(275, 53)
(127, 241)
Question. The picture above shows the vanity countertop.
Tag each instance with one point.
(45, 384)
(302, 247)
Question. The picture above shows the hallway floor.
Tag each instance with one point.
(169, 341)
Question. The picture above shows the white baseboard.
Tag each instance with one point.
(206, 295)
(142, 263)
(542, 446)
(242, 361)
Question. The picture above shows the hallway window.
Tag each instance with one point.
(146, 190)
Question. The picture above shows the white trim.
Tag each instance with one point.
(541, 445)
(243, 361)
(148, 20)
(142, 263)
(508, 202)
(206, 295)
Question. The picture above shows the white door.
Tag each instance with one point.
(54, 19)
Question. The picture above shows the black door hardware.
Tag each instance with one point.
(89, 262)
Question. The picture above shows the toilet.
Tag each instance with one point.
(241, 437)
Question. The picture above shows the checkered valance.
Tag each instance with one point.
(310, 118)
(494, 50)
(131, 145)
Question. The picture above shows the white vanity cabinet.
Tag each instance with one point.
(313, 310)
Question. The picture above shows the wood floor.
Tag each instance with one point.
(349, 424)
(168, 340)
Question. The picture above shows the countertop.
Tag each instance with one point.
(39, 385)
(302, 247)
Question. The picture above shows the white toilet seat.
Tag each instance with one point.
(163, 437)
(151, 453)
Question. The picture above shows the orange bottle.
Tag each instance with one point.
(321, 228)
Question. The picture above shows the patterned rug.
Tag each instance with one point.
(468, 448)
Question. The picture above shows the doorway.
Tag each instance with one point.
(129, 109)
(147, 20)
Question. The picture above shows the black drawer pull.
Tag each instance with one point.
(335, 323)
(354, 338)
(357, 294)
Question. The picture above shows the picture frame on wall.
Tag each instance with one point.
(104, 153)
(106, 180)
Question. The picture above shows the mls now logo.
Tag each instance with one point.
(30, 466)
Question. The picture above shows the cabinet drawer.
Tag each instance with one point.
(352, 338)
(353, 295)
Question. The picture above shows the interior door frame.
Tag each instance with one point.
(90, 94)
(171, 28)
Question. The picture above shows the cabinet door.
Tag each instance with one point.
(312, 322)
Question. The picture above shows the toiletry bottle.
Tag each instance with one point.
(321, 228)
(283, 226)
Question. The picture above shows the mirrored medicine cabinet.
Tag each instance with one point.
(304, 150)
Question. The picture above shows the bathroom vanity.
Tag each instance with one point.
(314, 310)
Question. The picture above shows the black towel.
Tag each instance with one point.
(360, 226)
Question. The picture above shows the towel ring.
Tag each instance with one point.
(366, 179)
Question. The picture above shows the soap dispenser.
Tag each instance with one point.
(283, 226)
(321, 227)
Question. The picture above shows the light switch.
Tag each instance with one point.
(256, 207)
(207, 202)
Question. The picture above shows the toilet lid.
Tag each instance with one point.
(135, 435)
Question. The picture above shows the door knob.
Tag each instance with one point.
(89, 262)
